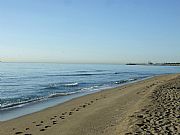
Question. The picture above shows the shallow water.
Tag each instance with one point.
(25, 83)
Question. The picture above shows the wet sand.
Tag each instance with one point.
(124, 110)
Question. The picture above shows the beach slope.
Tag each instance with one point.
(110, 112)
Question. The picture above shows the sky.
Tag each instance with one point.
(90, 31)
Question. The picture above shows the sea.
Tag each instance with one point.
(29, 87)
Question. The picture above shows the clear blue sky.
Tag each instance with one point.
(90, 31)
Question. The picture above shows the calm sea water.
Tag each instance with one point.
(24, 83)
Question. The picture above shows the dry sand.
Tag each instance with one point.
(137, 108)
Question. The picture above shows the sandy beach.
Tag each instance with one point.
(146, 107)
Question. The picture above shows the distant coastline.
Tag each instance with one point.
(155, 64)
(145, 64)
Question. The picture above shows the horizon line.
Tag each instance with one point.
(108, 63)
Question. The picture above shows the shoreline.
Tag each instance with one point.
(33, 107)
(105, 112)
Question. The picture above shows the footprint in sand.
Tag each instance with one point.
(52, 118)
(38, 125)
(47, 126)
(77, 109)
(140, 116)
(61, 117)
(42, 129)
(128, 133)
(18, 133)
(54, 122)
(64, 113)
(27, 134)
(138, 93)
(27, 128)
(140, 124)
(70, 113)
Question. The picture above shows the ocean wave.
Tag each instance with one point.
(139, 77)
(85, 71)
(98, 70)
(60, 85)
(125, 72)
(121, 81)
(62, 94)
(89, 88)
(71, 84)
(19, 104)
(5, 85)
(22, 103)
(87, 74)
(129, 80)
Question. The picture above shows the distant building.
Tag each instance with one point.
(150, 63)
